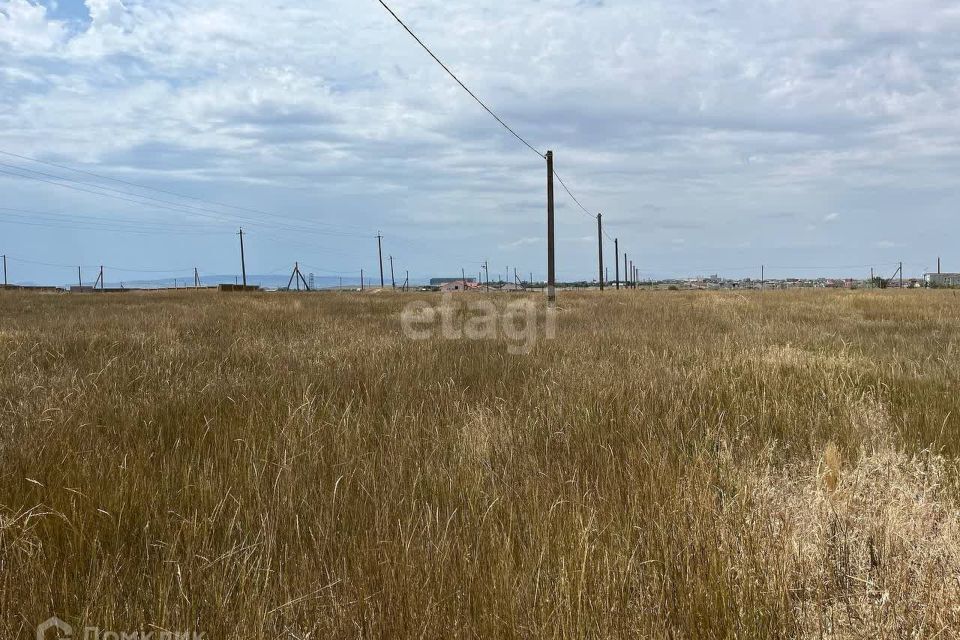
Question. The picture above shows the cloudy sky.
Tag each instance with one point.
(714, 135)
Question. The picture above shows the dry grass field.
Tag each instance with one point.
(672, 465)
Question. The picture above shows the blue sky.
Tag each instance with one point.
(817, 138)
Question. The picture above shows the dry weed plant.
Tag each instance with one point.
(674, 465)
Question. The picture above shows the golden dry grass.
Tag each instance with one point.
(674, 465)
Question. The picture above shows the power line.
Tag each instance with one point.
(569, 193)
(124, 270)
(109, 192)
(91, 223)
(97, 193)
(69, 227)
(120, 269)
(169, 192)
(465, 88)
(42, 264)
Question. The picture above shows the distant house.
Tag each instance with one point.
(457, 285)
(942, 279)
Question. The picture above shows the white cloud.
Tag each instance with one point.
(25, 29)
(106, 12)
(523, 242)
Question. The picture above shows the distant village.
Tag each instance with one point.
(707, 283)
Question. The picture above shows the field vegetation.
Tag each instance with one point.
(672, 465)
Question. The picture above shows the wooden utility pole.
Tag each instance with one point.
(762, 278)
(4, 270)
(361, 279)
(633, 281)
(551, 271)
(486, 270)
(901, 275)
(196, 278)
(616, 261)
(5, 267)
(626, 274)
(380, 253)
(393, 282)
(463, 277)
(80, 276)
(243, 260)
(406, 282)
(600, 245)
(299, 276)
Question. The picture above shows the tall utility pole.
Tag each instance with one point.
(600, 245)
(551, 271)
(633, 276)
(762, 278)
(80, 276)
(196, 278)
(101, 277)
(486, 270)
(4, 270)
(626, 274)
(616, 260)
(901, 275)
(380, 253)
(463, 276)
(393, 282)
(361, 279)
(243, 261)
